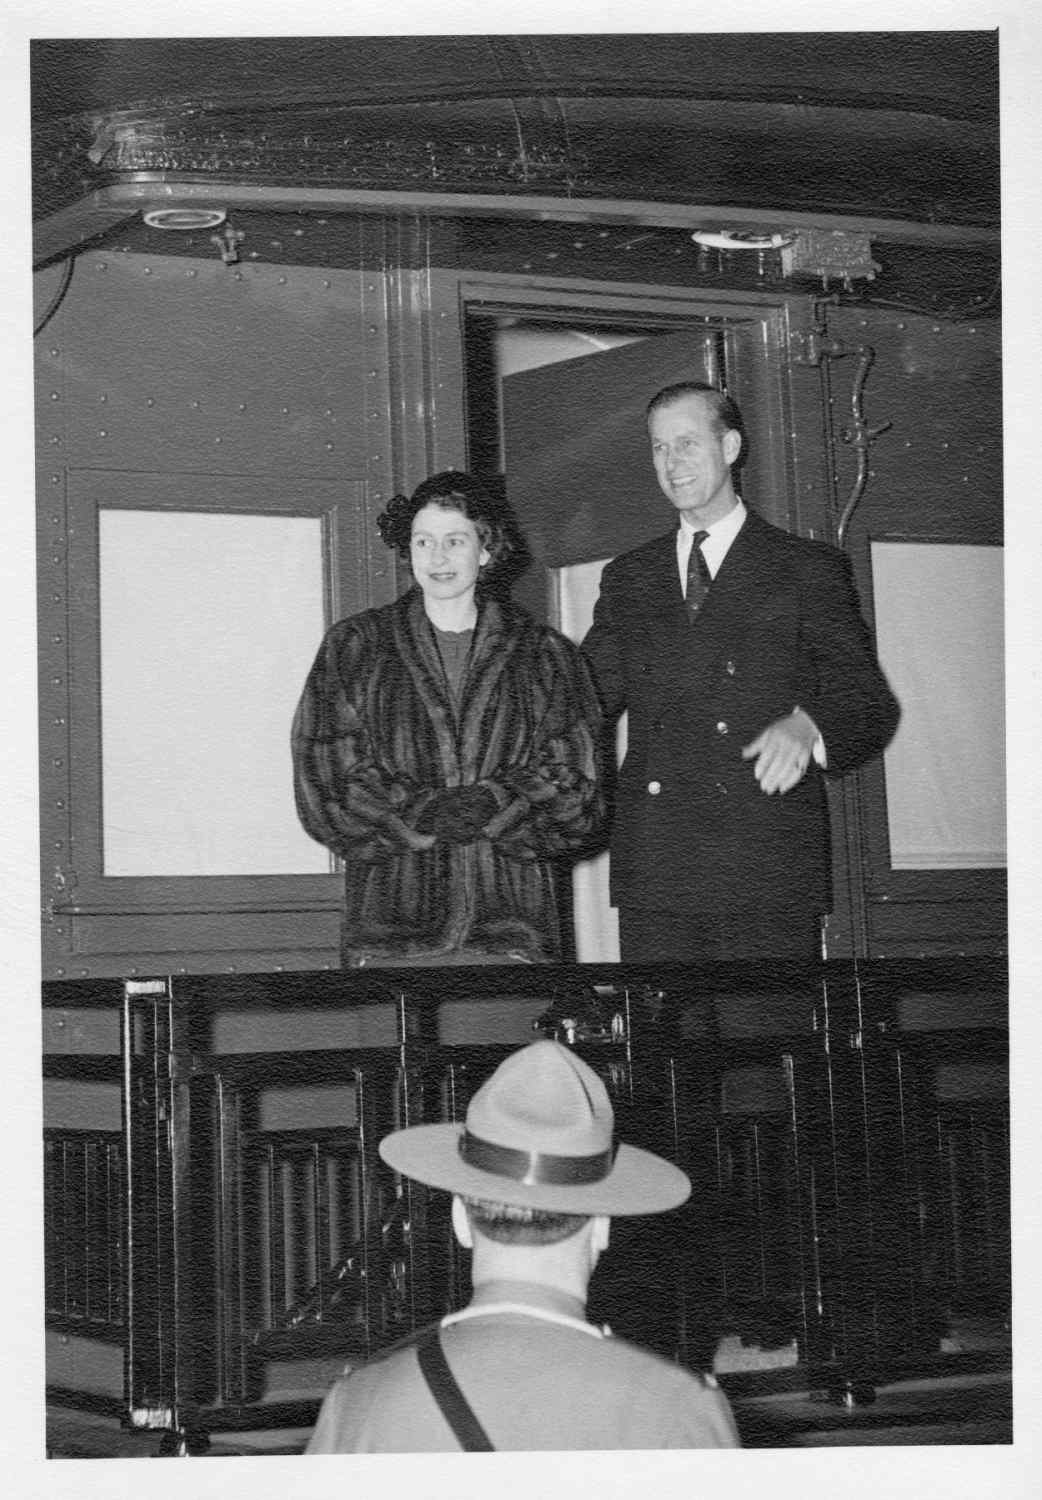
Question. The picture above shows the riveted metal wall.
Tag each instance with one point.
(218, 373)
(914, 406)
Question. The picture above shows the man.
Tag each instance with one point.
(535, 1180)
(747, 670)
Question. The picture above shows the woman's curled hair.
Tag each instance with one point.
(452, 490)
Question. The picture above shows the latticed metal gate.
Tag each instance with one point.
(845, 1130)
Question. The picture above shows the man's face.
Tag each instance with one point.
(693, 459)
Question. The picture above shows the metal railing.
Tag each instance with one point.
(850, 1172)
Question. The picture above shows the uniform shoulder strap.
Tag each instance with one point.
(454, 1406)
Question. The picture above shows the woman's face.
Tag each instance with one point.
(445, 552)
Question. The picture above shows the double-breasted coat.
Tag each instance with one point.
(781, 627)
(377, 736)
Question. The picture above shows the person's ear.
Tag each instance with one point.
(461, 1224)
(732, 445)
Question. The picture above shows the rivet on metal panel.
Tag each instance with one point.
(329, 447)
(298, 234)
(102, 432)
(148, 271)
(902, 326)
(218, 439)
(282, 281)
(56, 479)
(56, 640)
(55, 395)
(56, 560)
(238, 275)
(150, 400)
(103, 265)
(59, 763)
(103, 399)
(973, 330)
(284, 410)
(59, 973)
(60, 802)
(377, 495)
(327, 285)
(59, 721)
(372, 327)
(946, 445)
(194, 405)
(376, 458)
(56, 441)
(56, 598)
(936, 328)
(56, 520)
(373, 374)
(54, 353)
(192, 273)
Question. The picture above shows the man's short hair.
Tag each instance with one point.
(725, 413)
(516, 1224)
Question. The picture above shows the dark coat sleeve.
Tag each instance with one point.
(549, 792)
(601, 647)
(345, 799)
(842, 686)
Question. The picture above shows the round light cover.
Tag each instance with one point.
(184, 218)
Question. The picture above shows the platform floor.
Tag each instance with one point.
(974, 1408)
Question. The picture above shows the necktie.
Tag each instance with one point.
(698, 579)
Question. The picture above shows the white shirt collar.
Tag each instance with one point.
(715, 547)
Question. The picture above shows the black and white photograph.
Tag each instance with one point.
(520, 756)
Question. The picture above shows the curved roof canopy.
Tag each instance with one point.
(871, 129)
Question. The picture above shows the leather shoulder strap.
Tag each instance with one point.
(454, 1406)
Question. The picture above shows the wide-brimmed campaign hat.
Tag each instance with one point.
(539, 1132)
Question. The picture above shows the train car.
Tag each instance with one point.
(277, 281)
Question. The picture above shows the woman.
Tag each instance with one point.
(445, 748)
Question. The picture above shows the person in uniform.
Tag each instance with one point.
(536, 1181)
(748, 673)
(445, 747)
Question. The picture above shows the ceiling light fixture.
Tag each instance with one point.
(734, 239)
(184, 218)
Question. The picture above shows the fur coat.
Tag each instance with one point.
(377, 745)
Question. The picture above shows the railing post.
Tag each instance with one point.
(158, 1358)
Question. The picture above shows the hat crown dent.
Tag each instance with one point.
(544, 1099)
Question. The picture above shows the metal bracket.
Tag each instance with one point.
(818, 346)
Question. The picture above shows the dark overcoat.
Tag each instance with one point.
(781, 627)
(376, 737)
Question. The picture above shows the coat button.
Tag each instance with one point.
(654, 787)
(721, 728)
(729, 668)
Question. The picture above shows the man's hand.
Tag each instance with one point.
(783, 752)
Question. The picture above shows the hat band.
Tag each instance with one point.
(533, 1167)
